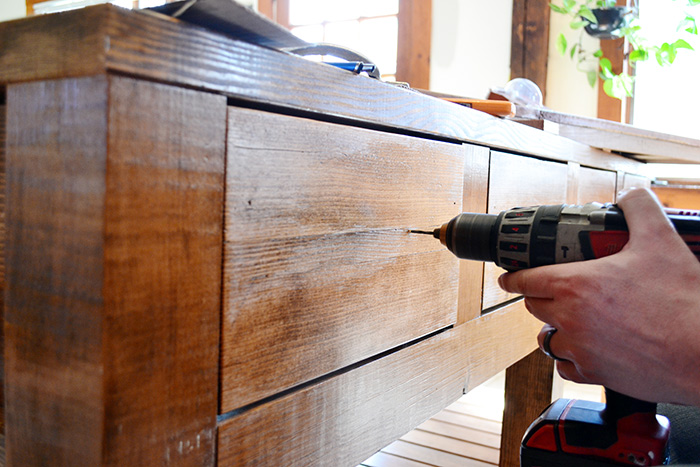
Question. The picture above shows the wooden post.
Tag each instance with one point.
(530, 41)
(114, 221)
(528, 392)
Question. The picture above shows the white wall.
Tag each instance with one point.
(11, 9)
(470, 50)
(471, 54)
(567, 88)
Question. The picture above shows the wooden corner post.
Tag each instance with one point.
(114, 232)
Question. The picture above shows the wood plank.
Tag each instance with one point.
(413, 61)
(471, 273)
(644, 145)
(596, 185)
(55, 162)
(459, 418)
(528, 392)
(383, 459)
(320, 270)
(519, 181)
(530, 41)
(3, 248)
(370, 406)
(113, 280)
(432, 456)
(166, 50)
(455, 446)
(462, 433)
(163, 255)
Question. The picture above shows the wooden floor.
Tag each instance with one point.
(465, 434)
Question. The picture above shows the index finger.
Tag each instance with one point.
(534, 283)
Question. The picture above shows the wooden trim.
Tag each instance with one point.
(415, 25)
(282, 12)
(610, 108)
(474, 199)
(530, 41)
(267, 8)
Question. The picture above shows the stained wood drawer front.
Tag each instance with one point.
(595, 186)
(320, 271)
(519, 181)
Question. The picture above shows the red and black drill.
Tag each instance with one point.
(571, 433)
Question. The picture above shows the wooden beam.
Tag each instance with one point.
(610, 108)
(413, 62)
(530, 41)
(528, 391)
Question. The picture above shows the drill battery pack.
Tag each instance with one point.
(577, 433)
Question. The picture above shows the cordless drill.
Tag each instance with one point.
(570, 433)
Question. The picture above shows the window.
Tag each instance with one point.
(666, 99)
(369, 27)
(53, 6)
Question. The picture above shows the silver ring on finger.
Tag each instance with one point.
(546, 345)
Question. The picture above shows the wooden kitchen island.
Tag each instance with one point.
(207, 258)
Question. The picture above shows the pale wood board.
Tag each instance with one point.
(108, 38)
(647, 145)
(320, 271)
(471, 273)
(360, 406)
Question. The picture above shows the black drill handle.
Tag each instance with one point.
(619, 406)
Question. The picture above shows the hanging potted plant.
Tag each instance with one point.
(604, 20)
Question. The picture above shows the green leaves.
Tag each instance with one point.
(666, 54)
(688, 25)
(585, 12)
(595, 65)
(562, 44)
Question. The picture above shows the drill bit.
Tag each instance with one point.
(424, 232)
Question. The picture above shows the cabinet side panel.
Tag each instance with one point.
(53, 317)
(163, 234)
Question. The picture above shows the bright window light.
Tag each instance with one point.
(666, 99)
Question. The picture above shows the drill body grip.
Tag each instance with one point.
(527, 237)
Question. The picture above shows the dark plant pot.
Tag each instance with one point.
(610, 21)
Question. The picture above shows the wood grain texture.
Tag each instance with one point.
(373, 405)
(55, 161)
(534, 373)
(530, 41)
(166, 50)
(114, 217)
(519, 181)
(162, 280)
(413, 61)
(3, 248)
(471, 273)
(320, 270)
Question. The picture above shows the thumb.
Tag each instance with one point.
(644, 215)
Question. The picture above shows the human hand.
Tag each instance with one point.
(629, 321)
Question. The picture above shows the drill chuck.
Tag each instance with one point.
(479, 228)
